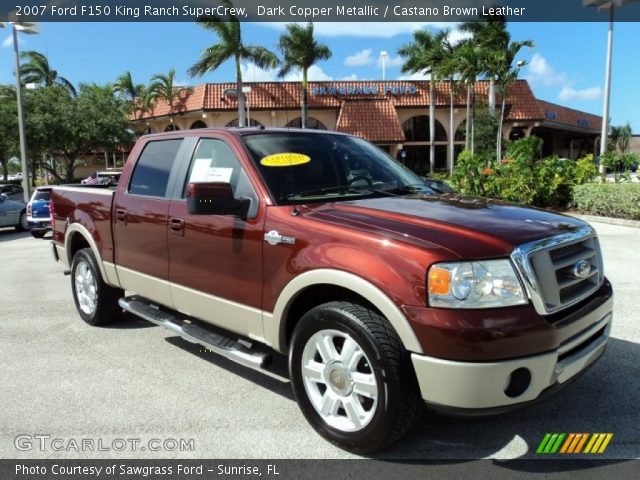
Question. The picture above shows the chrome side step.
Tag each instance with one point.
(227, 347)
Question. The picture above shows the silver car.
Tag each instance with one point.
(13, 213)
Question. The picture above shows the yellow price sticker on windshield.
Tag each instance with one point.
(285, 160)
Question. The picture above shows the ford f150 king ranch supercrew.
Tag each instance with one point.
(320, 246)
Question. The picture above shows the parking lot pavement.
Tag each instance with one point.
(62, 378)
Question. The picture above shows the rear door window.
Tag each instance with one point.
(151, 174)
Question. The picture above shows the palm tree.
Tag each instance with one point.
(301, 51)
(163, 87)
(447, 71)
(36, 69)
(230, 47)
(507, 74)
(469, 67)
(132, 93)
(620, 137)
(425, 55)
(489, 35)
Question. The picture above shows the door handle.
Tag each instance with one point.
(177, 226)
(121, 215)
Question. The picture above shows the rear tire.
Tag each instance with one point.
(97, 302)
(38, 233)
(23, 223)
(352, 377)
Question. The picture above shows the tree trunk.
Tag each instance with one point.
(303, 118)
(70, 166)
(240, 95)
(452, 134)
(467, 129)
(500, 123)
(492, 96)
(432, 125)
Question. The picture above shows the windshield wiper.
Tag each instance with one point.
(340, 189)
(413, 188)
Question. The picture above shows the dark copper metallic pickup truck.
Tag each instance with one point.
(320, 246)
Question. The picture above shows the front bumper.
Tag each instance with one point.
(494, 384)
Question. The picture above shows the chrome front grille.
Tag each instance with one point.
(560, 271)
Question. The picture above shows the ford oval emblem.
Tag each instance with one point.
(582, 269)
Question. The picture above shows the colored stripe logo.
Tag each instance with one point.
(593, 443)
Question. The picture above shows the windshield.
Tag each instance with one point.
(299, 167)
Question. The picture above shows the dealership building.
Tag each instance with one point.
(392, 114)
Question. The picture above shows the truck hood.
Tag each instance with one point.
(468, 227)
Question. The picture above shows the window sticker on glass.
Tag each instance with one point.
(200, 170)
(219, 174)
(285, 160)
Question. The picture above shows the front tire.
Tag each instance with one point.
(97, 302)
(352, 377)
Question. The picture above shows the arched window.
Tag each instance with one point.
(312, 123)
(171, 128)
(149, 130)
(416, 129)
(461, 132)
(198, 124)
(252, 123)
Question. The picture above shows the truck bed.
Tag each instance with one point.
(89, 206)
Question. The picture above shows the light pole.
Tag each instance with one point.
(31, 29)
(606, 5)
(383, 57)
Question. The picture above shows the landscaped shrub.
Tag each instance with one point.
(609, 199)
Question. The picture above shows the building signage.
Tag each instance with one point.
(364, 89)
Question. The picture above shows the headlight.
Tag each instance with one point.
(481, 284)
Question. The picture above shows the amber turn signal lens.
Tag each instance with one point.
(439, 281)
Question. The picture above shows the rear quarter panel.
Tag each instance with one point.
(89, 207)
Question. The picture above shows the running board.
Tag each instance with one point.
(227, 347)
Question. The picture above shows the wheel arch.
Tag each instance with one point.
(78, 237)
(322, 285)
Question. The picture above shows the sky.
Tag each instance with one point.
(566, 66)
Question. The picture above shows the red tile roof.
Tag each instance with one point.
(374, 119)
(554, 113)
(521, 103)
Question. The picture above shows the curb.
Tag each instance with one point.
(623, 222)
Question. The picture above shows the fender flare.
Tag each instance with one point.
(84, 233)
(350, 282)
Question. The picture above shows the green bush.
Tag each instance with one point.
(609, 199)
(523, 177)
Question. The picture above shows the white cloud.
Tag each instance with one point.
(253, 73)
(456, 36)
(540, 72)
(350, 78)
(390, 61)
(359, 59)
(7, 42)
(415, 76)
(314, 74)
(364, 29)
(568, 94)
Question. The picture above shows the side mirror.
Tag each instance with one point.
(215, 198)
(3, 197)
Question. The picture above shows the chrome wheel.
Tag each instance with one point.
(86, 288)
(339, 380)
